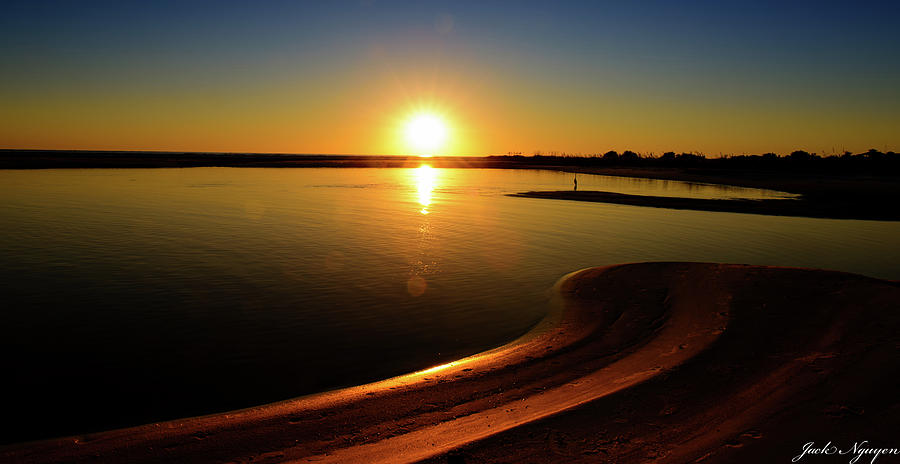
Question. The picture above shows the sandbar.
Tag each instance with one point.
(801, 207)
(671, 362)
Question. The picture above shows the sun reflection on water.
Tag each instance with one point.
(422, 264)
(426, 180)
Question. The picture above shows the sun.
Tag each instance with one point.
(426, 133)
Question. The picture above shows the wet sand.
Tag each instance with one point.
(657, 361)
(802, 207)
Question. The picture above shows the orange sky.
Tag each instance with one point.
(525, 80)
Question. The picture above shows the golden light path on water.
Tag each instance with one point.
(424, 179)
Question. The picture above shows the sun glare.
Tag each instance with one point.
(426, 133)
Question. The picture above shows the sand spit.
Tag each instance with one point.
(802, 207)
(656, 361)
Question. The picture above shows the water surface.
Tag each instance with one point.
(139, 295)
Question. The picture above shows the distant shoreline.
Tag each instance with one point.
(847, 195)
(57, 159)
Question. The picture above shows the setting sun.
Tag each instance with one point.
(425, 132)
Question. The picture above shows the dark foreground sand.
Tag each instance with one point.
(673, 362)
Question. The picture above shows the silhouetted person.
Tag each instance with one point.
(575, 179)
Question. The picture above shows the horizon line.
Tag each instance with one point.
(534, 153)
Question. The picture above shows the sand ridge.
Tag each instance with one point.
(626, 366)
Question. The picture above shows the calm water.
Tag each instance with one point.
(139, 295)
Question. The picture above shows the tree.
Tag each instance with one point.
(800, 155)
(629, 156)
(874, 155)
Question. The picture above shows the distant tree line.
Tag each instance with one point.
(870, 162)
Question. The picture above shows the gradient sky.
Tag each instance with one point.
(342, 76)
